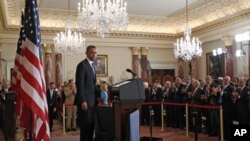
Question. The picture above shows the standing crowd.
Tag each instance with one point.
(85, 95)
(233, 96)
(82, 96)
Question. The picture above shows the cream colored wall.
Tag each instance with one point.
(119, 59)
(162, 58)
(118, 51)
(8, 52)
(207, 48)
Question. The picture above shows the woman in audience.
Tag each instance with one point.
(104, 94)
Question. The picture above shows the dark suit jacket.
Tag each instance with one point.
(196, 99)
(85, 84)
(180, 96)
(242, 105)
(227, 101)
(196, 96)
(52, 101)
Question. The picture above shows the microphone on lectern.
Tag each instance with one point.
(130, 71)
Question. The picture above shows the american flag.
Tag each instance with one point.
(16, 74)
(16, 78)
(32, 82)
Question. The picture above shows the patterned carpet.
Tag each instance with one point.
(57, 134)
(66, 138)
(169, 134)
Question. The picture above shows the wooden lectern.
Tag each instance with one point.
(127, 97)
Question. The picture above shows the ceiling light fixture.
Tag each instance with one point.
(69, 42)
(102, 16)
(187, 48)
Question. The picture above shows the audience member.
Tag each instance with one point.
(70, 92)
(52, 94)
(104, 94)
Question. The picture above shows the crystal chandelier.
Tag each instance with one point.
(69, 42)
(102, 17)
(187, 48)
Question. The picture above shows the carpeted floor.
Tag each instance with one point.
(66, 138)
(169, 134)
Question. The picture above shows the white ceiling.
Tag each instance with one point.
(134, 7)
(145, 16)
(156, 7)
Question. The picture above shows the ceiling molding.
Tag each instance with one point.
(205, 16)
(200, 13)
(245, 15)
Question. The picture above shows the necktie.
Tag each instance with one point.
(220, 99)
(221, 94)
(93, 68)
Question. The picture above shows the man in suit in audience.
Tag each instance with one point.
(86, 94)
(227, 104)
(205, 112)
(180, 94)
(196, 99)
(243, 101)
(52, 94)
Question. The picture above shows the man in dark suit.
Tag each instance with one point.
(179, 98)
(86, 94)
(227, 104)
(243, 101)
(196, 99)
(52, 94)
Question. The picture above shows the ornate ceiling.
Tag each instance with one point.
(203, 15)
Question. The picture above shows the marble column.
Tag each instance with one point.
(229, 58)
(47, 63)
(145, 68)
(194, 68)
(180, 68)
(59, 69)
(136, 64)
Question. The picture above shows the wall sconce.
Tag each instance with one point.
(219, 51)
(240, 52)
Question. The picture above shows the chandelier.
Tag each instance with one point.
(68, 41)
(103, 17)
(185, 47)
